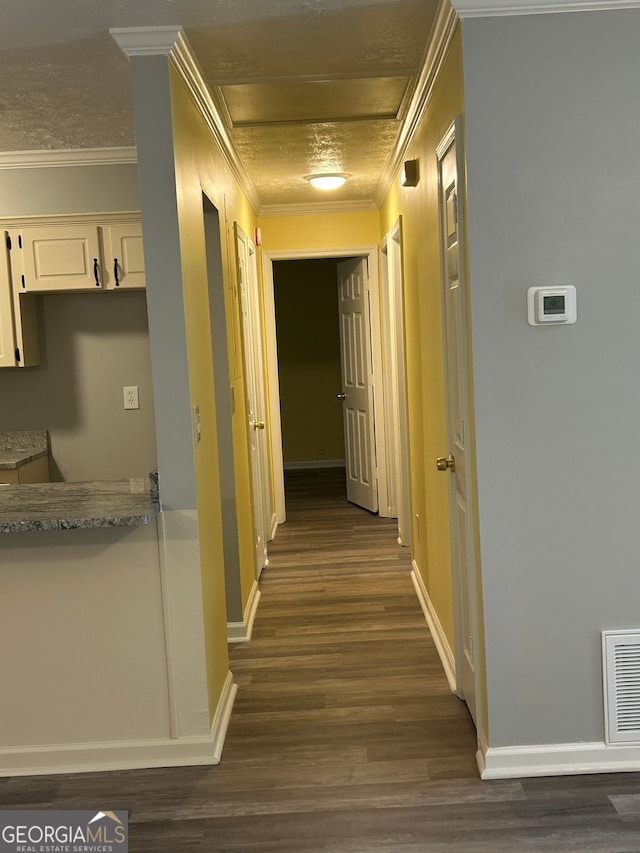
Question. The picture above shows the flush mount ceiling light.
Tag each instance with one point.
(327, 181)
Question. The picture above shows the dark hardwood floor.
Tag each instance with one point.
(344, 736)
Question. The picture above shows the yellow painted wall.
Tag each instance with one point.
(200, 168)
(424, 339)
(320, 230)
(306, 295)
(419, 209)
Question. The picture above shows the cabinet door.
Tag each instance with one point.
(25, 348)
(123, 256)
(60, 258)
(25, 312)
(7, 335)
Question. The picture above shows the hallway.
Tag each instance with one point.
(344, 735)
(342, 698)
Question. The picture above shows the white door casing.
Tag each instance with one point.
(261, 394)
(450, 166)
(395, 403)
(254, 385)
(357, 387)
(271, 349)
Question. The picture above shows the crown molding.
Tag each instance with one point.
(496, 8)
(94, 218)
(318, 207)
(145, 41)
(172, 42)
(442, 33)
(186, 64)
(52, 158)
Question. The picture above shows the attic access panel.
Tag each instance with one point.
(315, 100)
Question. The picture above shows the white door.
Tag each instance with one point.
(357, 386)
(255, 393)
(260, 402)
(456, 463)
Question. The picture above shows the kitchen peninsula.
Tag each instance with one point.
(69, 506)
(84, 663)
(30, 503)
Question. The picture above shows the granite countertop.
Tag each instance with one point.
(22, 446)
(68, 506)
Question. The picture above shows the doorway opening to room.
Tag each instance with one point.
(224, 408)
(330, 409)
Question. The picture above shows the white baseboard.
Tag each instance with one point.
(123, 755)
(274, 527)
(240, 632)
(439, 638)
(314, 463)
(556, 759)
(222, 716)
(109, 755)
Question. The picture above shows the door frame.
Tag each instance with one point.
(394, 379)
(255, 391)
(453, 136)
(271, 354)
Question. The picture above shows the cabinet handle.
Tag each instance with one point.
(115, 272)
(95, 272)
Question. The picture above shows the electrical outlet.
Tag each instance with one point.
(131, 399)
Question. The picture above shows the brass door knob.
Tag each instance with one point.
(258, 424)
(446, 463)
(341, 396)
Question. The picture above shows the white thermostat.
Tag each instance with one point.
(551, 304)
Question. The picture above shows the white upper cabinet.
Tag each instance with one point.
(7, 336)
(18, 316)
(80, 254)
(59, 257)
(123, 256)
(61, 254)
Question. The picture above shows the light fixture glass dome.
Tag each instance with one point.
(327, 181)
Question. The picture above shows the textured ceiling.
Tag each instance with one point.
(310, 85)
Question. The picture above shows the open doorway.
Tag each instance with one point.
(236, 629)
(307, 416)
(309, 375)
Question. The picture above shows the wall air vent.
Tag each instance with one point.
(621, 671)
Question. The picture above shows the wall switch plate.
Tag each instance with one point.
(131, 398)
(195, 422)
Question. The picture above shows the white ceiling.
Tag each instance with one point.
(309, 85)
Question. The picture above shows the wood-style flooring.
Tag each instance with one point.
(345, 736)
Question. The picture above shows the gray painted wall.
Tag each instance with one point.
(68, 189)
(552, 116)
(92, 344)
(154, 134)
